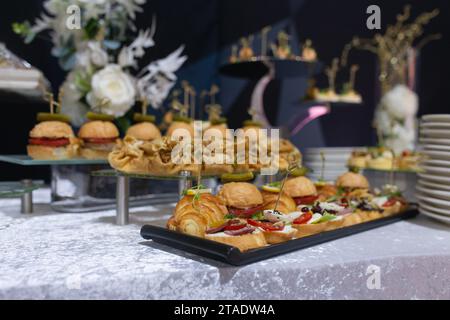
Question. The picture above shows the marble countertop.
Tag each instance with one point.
(48, 255)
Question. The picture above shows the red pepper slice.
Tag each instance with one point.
(304, 218)
(59, 142)
(100, 140)
(245, 212)
(267, 226)
(305, 200)
(392, 201)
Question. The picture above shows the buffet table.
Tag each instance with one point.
(49, 255)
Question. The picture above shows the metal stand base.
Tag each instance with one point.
(122, 200)
(26, 201)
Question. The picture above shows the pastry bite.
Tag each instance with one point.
(358, 159)
(98, 139)
(52, 140)
(194, 215)
(302, 190)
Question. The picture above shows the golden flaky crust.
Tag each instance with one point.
(285, 205)
(353, 181)
(194, 217)
(154, 158)
(240, 195)
(273, 237)
(144, 131)
(51, 129)
(180, 125)
(304, 230)
(243, 242)
(98, 129)
(299, 187)
(52, 153)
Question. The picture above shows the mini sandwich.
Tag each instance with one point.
(237, 233)
(99, 139)
(274, 226)
(242, 199)
(315, 220)
(351, 181)
(185, 128)
(52, 140)
(302, 190)
(144, 131)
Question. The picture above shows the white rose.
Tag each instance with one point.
(400, 102)
(71, 104)
(113, 91)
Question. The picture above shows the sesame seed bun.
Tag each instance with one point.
(146, 131)
(52, 129)
(98, 129)
(352, 180)
(240, 195)
(300, 187)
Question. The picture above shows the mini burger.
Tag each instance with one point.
(302, 190)
(242, 199)
(99, 138)
(184, 128)
(350, 181)
(144, 131)
(52, 140)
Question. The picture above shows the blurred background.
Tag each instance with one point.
(209, 28)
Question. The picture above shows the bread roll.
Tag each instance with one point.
(299, 187)
(352, 180)
(285, 205)
(243, 242)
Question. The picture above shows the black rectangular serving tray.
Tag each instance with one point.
(231, 255)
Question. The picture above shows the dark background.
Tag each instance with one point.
(208, 28)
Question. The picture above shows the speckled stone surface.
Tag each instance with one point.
(50, 255)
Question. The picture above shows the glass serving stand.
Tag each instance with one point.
(23, 189)
(69, 178)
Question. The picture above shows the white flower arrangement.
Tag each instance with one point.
(395, 119)
(103, 65)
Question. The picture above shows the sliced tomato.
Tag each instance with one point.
(392, 201)
(267, 226)
(234, 226)
(305, 200)
(99, 140)
(304, 218)
(60, 142)
(245, 212)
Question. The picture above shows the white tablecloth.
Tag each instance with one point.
(60, 256)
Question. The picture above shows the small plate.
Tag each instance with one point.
(435, 216)
(435, 202)
(434, 185)
(436, 170)
(436, 118)
(441, 142)
(435, 125)
(434, 209)
(442, 155)
(435, 133)
(434, 177)
(436, 147)
(444, 195)
(436, 163)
